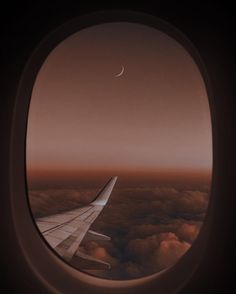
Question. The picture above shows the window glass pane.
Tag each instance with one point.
(126, 100)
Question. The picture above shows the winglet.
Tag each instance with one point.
(105, 193)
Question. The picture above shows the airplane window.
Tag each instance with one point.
(119, 150)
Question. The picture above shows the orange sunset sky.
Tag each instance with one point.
(155, 117)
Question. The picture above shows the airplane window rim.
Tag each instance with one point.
(24, 224)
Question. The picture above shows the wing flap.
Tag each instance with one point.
(88, 262)
(94, 236)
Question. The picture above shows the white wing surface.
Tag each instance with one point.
(65, 231)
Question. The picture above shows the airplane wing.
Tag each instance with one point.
(65, 231)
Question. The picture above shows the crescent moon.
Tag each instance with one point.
(121, 73)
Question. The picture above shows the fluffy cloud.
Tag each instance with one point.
(150, 228)
(133, 270)
(100, 252)
(158, 251)
(188, 232)
(170, 250)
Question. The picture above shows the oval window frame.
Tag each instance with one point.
(55, 273)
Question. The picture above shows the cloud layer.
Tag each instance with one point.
(150, 228)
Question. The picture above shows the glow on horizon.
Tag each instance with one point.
(155, 117)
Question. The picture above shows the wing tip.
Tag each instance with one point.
(105, 192)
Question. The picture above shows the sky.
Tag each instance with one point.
(154, 117)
